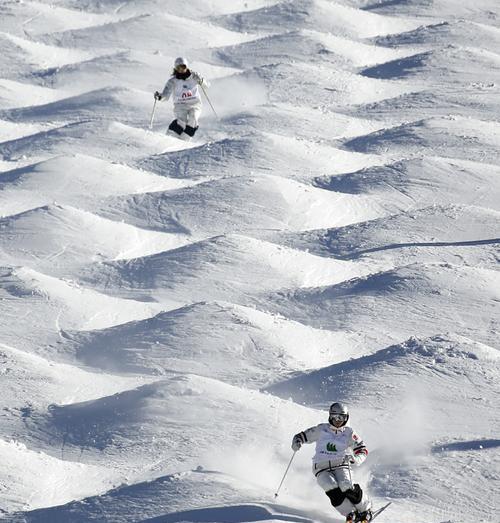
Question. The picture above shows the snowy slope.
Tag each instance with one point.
(172, 312)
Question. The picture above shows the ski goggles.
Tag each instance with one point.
(181, 67)
(338, 418)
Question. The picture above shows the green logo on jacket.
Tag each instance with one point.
(331, 447)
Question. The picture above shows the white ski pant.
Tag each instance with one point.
(187, 114)
(330, 478)
(333, 477)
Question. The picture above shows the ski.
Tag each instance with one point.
(380, 510)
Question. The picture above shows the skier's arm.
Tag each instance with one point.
(306, 436)
(200, 80)
(167, 90)
(359, 450)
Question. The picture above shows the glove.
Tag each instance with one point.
(297, 442)
(200, 80)
(157, 96)
(354, 460)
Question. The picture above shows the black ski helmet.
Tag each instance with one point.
(338, 415)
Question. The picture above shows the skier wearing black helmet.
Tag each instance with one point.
(338, 446)
(183, 87)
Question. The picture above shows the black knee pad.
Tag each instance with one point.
(355, 494)
(174, 126)
(190, 130)
(336, 496)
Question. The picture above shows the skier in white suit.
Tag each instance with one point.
(337, 447)
(183, 87)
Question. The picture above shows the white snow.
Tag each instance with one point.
(172, 312)
(46, 56)
(61, 480)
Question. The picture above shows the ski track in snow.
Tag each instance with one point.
(171, 313)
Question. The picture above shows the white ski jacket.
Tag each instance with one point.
(334, 446)
(184, 92)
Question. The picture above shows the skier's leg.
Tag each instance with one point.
(177, 126)
(192, 119)
(338, 499)
(352, 491)
(358, 499)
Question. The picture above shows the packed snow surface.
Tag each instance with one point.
(172, 312)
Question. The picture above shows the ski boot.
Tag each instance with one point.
(365, 517)
(359, 517)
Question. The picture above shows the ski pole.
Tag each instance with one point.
(208, 99)
(152, 115)
(347, 463)
(284, 475)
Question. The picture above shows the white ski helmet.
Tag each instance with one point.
(338, 415)
(180, 61)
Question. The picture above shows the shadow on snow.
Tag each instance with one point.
(234, 514)
(462, 446)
